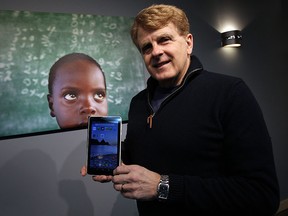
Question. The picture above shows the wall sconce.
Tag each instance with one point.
(231, 38)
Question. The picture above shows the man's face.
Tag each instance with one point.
(78, 92)
(166, 54)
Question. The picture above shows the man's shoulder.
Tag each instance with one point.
(209, 74)
(219, 77)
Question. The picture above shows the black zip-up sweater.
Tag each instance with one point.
(210, 137)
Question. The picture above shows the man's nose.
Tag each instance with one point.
(157, 50)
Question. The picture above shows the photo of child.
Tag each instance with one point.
(32, 43)
(77, 90)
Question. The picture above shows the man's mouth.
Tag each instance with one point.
(160, 64)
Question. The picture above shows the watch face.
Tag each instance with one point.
(163, 191)
(163, 187)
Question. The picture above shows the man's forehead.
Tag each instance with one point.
(146, 35)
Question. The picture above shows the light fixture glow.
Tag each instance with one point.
(231, 38)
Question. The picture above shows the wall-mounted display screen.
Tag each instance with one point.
(30, 44)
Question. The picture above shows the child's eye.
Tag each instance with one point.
(70, 97)
(99, 96)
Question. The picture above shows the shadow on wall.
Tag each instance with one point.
(74, 193)
(23, 185)
(123, 206)
(31, 184)
(87, 197)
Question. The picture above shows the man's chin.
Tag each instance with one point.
(165, 81)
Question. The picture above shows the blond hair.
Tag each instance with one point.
(159, 16)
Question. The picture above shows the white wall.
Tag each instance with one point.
(40, 175)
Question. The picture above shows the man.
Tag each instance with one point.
(196, 142)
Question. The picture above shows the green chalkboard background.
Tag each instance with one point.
(30, 42)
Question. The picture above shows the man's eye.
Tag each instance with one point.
(164, 39)
(70, 97)
(146, 48)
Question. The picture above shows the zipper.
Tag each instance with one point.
(150, 117)
(150, 120)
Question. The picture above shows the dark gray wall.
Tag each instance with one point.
(39, 175)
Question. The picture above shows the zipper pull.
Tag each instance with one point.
(149, 120)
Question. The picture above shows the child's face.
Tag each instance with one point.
(78, 92)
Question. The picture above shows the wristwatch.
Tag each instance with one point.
(163, 188)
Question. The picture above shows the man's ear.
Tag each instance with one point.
(50, 104)
(189, 41)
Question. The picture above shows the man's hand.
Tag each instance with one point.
(98, 178)
(136, 182)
